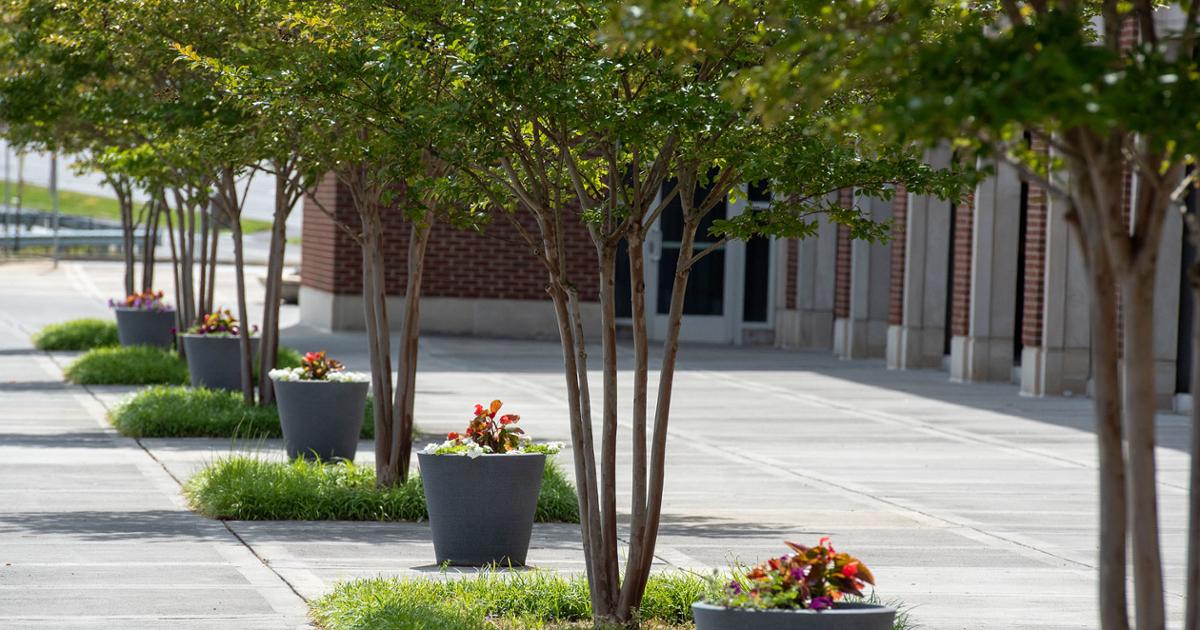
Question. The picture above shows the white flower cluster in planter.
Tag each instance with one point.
(470, 448)
(299, 373)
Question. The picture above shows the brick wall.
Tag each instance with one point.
(1035, 259)
(960, 305)
(898, 243)
(841, 282)
(492, 264)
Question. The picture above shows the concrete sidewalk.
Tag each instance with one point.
(971, 504)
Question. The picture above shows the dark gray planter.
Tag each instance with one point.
(320, 419)
(840, 617)
(137, 327)
(481, 510)
(215, 361)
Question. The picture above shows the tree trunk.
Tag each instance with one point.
(269, 341)
(641, 370)
(1114, 613)
(214, 238)
(125, 202)
(1192, 615)
(243, 314)
(1140, 410)
(608, 420)
(150, 245)
(410, 333)
(180, 317)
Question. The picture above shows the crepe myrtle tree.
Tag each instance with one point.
(62, 89)
(370, 90)
(1081, 98)
(571, 130)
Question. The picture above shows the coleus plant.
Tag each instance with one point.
(810, 578)
(148, 300)
(219, 322)
(488, 434)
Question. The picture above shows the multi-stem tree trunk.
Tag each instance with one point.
(232, 205)
(150, 244)
(410, 337)
(287, 192)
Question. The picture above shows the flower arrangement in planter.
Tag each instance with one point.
(802, 589)
(143, 319)
(320, 408)
(214, 353)
(481, 487)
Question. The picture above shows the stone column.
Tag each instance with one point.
(983, 351)
(918, 341)
(810, 325)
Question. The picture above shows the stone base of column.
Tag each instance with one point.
(1054, 371)
(859, 339)
(974, 359)
(526, 319)
(910, 348)
(805, 329)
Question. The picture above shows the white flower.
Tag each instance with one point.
(297, 374)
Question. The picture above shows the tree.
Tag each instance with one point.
(1104, 90)
(569, 132)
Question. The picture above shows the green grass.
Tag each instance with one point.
(167, 411)
(77, 334)
(507, 601)
(85, 205)
(142, 365)
(249, 488)
(532, 599)
(128, 365)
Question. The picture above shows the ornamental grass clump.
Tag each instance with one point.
(809, 578)
(77, 334)
(487, 435)
(128, 365)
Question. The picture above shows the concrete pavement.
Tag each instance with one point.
(970, 503)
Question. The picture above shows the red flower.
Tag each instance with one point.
(850, 570)
(506, 420)
(453, 435)
(478, 410)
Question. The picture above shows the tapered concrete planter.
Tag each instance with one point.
(321, 419)
(481, 510)
(140, 327)
(840, 617)
(215, 361)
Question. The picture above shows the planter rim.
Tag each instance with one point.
(464, 456)
(169, 309)
(838, 609)
(215, 336)
(276, 380)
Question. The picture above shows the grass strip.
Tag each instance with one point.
(175, 411)
(525, 599)
(144, 365)
(77, 334)
(84, 205)
(244, 487)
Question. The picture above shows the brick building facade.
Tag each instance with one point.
(989, 288)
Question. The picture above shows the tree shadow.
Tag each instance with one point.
(97, 526)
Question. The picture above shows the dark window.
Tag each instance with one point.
(758, 273)
(759, 191)
(705, 293)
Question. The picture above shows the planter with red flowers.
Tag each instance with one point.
(320, 408)
(801, 590)
(481, 488)
(214, 354)
(143, 319)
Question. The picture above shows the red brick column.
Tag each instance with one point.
(1035, 259)
(330, 260)
(898, 243)
(841, 284)
(960, 305)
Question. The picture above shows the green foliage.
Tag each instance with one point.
(128, 365)
(249, 488)
(77, 334)
(533, 599)
(187, 412)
